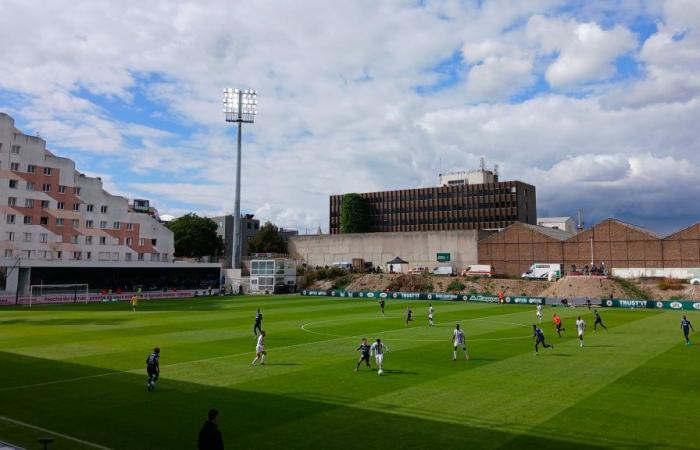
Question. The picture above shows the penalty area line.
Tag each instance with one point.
(55, 433)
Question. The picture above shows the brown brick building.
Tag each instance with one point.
(619, 245)
(453, 207)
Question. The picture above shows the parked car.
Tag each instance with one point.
(695, 281)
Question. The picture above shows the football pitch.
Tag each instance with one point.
(77, 372)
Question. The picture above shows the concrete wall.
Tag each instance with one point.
(418, 248)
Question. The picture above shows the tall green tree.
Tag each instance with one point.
(196, 237)
(354, 214)
(268, 239)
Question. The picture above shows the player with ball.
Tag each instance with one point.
(378, 349)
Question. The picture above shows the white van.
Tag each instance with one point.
(443, 270)
(478, 270)
(542, 271)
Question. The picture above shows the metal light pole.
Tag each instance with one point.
(240, 106)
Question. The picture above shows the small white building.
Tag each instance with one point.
(272, 275)
(567, 224)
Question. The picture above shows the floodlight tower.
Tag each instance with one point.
(240, 106)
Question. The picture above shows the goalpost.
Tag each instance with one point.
(59, 293)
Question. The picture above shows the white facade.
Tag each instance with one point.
(272, 275)
(473, 177)
(558, 223)
(51, 212)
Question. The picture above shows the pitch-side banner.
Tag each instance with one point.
(653, 304)
(375, 295)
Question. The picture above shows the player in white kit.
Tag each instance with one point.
(581, 328)
(378, 349)
(539, 313)
(260, 352)
(459, 340)
(430, 316)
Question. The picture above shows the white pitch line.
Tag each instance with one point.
(64, 436)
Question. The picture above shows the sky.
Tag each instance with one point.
(596, 103)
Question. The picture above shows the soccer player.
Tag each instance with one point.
(539, 313)
(134, 302)
(557, 323)
(430, 315)
(258, 323)
(686, 326)
(381, 305)
(153, 369)
(538, 335)
(598, 321)
(378, 349)
(588, 303)
(260, 352)
(409, 315)
(364, 349)
(580, 327)
(458, 340)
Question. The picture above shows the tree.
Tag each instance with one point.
(268, 239)
(196, 237)
(354, 214)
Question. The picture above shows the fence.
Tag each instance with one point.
(94, 298)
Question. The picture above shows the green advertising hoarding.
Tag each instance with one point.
(687, 305)
(443, 257)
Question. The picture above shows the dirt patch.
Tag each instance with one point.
(592, 287)
(686, 291)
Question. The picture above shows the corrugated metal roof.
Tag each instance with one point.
(559, 235)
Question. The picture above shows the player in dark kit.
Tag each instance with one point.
(686, 326)
(538, 335)
(409, 315)
(364, 354)
(153, 368)
(258, 323)
(381, 305)
(598, 321)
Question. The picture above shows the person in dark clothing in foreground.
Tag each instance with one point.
(210, 436)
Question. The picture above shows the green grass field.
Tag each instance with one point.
(79, 370)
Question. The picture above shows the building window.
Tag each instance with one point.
(27, 220)
(142, 242)
(90, 208)
(45, 204)
(10, 235)
(59, 255)
(76, 206)
(11, 201)
(43, 220)
(164, 257)
(29, 202)
(61, 189)
(13, 184)
(26, 254)
(74, 239)
(46, 187)
(115, 256)
(153, 242)
(31, 168)
(59, 222)
(103, 209)
(30, 186)
(27, 237)
(140, 256)
(127, 257)
(103, 240)
(10, 218)
(8, 253)
(129, 226)
(155, 256)
(89, 224)
(103, 256)
(47, 171)
(44, 238)
(116, 225)
(128, 241)
(77, 255)
(88, 240)
(15, 149)
(14, 166)
(88, 255)
(76, 223)
(60, 205)
(76, 190)
(103, 224)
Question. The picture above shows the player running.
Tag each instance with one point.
(134, 302)
(557, 323)
(598, 321)
(539, 313)
(153, 369)
(409, 315)
(381, 305)
(580, 328)
(258, 323)
(459, 340)
(430, 316)
(686, 326)
(364, 349)
(538, 335)
(260, 352)
(378, 349)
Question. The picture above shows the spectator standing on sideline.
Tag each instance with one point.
(209, 436)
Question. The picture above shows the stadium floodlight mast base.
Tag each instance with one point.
(240, 106)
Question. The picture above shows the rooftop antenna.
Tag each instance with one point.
(482, 164)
